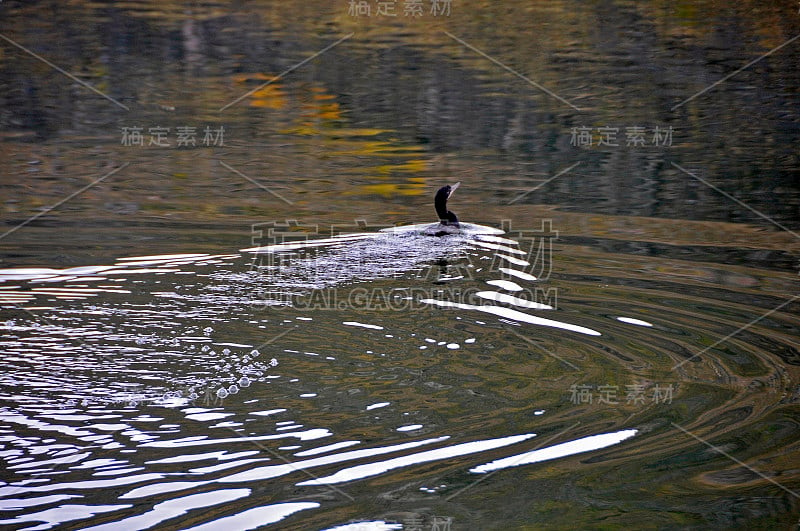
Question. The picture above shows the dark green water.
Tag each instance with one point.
(622, 351)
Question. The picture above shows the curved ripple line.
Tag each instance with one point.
(255, 518)
(497, 247)
(173, 508)
(266, 472)
(373, 469)
(161, 488)
(516, 273)
(510, 299)
(507, 285)
(91, 484)
(17, 504)
(63, 513)
(513, 260)
(515, 315)
(307, 435)
(586, 444)
(376, 525)
(326, 448)
(631, 320)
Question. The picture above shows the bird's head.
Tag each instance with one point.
(440, 203)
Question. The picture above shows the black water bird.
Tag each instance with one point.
(446, 218)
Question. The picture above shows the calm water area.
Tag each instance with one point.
(219, 308)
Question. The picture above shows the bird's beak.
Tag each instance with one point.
(453, 188)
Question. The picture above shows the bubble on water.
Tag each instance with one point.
(140, 341)
(222, 392)
(11, 323)
(169, 395)
(192, 396)
(205, 348)
(244, 381)
(207, 330)
(273, 362)
(255, 353)
(212, 353)
(233, 389)
(133, 403)
(226, 351)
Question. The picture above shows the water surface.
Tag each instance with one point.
(222, 334)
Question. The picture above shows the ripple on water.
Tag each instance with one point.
(176, 400)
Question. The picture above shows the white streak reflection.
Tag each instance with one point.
(515, 315)
(586, 444)
(373, 469)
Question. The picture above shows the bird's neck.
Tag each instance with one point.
(441, 208)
